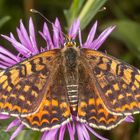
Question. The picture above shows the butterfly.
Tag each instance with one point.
(45, 91)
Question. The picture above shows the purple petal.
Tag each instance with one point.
(82, 132)
(74, 28)
(3, 67)
(17, 131)
(47, 37)
(80, 38)
(79, 132)
(100, 40)
(14, 123)
(25, 34)
(56, 34)
(94, 133)
(43, 36)
(44, 135)
(73, 127)
(32, 37)
(61, 38)
(50, 135)
(47, 34)
(17, 45)
(62, 131)
(6, 52)
(3, 117)
(91, 35)
(7, 64)
(7, 59)
(85, 132)
(129, 119)
(23, 40)
(71, 132)
(20, 49)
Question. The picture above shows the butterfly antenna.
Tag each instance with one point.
(37, 12)
(102, 9)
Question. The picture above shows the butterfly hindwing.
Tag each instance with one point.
(55, 109)
(22, 86)
(116, 82)
(91, 108)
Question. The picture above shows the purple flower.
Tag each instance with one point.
(26, 45)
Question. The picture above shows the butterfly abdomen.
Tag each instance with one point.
(73, 96)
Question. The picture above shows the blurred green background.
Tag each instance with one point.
(124, 42)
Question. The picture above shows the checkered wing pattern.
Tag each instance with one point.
(116, 83)
(24, 85)
(54, 110)
(91, 108)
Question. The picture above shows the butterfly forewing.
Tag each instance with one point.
(23, 86)
(116, 82)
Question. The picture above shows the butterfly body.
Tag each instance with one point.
(70, 67)
(45, 91)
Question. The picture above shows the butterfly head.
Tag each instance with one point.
(69, 42)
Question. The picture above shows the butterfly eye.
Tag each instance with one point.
(69, 42)
(65, 43)
(74, 43)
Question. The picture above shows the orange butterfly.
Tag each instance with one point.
(46, 90)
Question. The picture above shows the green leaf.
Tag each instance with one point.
(128, 32)
(89, 10)
(28, 135)
(4, 20)
(83, 9)
(4, 135)
(73, 12)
